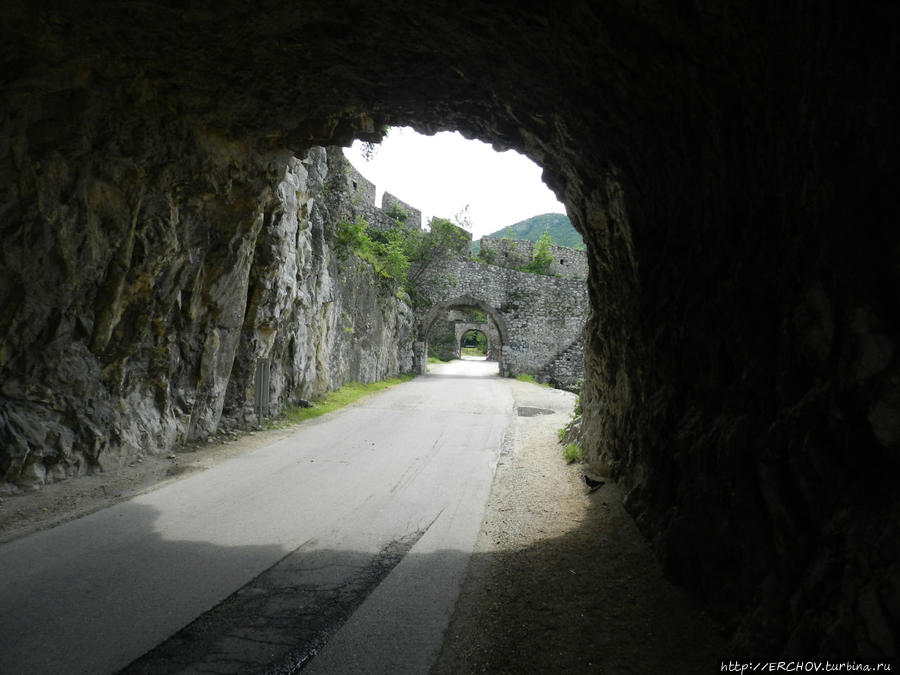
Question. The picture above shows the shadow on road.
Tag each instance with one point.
(592, 598)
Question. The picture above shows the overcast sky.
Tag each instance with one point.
(443, 173)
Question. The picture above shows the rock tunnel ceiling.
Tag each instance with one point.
(726, 164)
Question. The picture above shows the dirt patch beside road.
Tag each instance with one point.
(561, 580)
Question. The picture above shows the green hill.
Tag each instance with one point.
(557, 225)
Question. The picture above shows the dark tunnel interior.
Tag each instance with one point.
(729, 164)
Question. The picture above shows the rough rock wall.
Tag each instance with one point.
(125, 275)
(318, 321)
(742, 371)
(139, 321)
(729, 165)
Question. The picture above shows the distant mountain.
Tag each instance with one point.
(557, 225)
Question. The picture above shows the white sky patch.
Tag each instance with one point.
(441, 174)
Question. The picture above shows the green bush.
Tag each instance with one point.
(384, 250)
(352, 237)
(393, 253)
(397, 213)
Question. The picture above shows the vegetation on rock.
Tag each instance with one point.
(398, 213)
(397, 253)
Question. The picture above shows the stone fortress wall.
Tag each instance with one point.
(362, 192)
(544, 315)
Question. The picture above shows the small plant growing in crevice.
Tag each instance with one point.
(573, 453)
(487, 256)
(397, 213)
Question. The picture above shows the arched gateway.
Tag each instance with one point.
(538, 318)
(425, 325)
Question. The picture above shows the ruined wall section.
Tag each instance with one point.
(413, 219)
(566, 369)
(361, 192)
(567, 262)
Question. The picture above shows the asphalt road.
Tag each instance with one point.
(363, 519)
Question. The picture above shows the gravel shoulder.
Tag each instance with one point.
(561, 580)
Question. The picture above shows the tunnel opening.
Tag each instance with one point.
(513, 268)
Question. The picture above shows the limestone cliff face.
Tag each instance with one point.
(143, 328)
(319, 321)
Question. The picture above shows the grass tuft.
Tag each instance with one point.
(336, 399)
(573, 453)
(528, 377)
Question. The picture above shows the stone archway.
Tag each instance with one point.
(495, 319)
(492, 348)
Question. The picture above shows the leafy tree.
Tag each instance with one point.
(393, 256)
(541, 257)
(443, 240)
(473, 343)
(352, 237)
